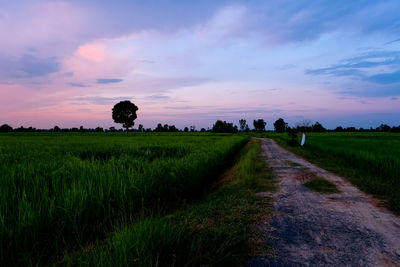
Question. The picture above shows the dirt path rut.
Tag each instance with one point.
(312, 229)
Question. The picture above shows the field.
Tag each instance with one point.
(151, 199)
(61, 193)
(369, 160)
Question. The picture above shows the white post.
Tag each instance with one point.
(303, 139)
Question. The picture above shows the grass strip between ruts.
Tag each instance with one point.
(321, 185)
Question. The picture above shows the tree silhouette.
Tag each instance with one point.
(351, 129)
(6, 128)
(172, 128)
(159, 128)
(396, 129)
(317, 127)
(384, 128)
(125, 112)
(304, 126)
(224, 127)
(292, 132)
(259, 125)
(243, 125)
(280, 125)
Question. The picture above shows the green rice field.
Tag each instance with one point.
(149, 199)
(369, 160)
(60, 192)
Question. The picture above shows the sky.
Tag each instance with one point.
(186, 63)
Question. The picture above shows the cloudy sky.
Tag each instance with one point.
(188, 63)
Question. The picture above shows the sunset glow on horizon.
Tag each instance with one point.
(185, 63)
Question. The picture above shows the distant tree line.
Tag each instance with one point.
(7, 128)
(281, 126)
(219, 126)
(124, 113)
(381, 128)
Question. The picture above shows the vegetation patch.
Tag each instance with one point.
(145, 153)
(293, 164)
(321, 185)
(214, 231)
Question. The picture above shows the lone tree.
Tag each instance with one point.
(259, 125)
(280, 125)
(125, 112)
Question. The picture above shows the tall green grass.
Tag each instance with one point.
(59, 192)
(213, 231)
(369, 160)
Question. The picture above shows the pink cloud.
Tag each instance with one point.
(94, 52)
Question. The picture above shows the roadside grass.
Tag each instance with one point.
(217, 230)
(369, 160)
(321, 185)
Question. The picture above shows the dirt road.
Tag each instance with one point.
(312, 229)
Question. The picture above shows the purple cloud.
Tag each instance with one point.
(98, 100)
(77, 84)
(386, 78)
(27, 66)
(105, 81)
